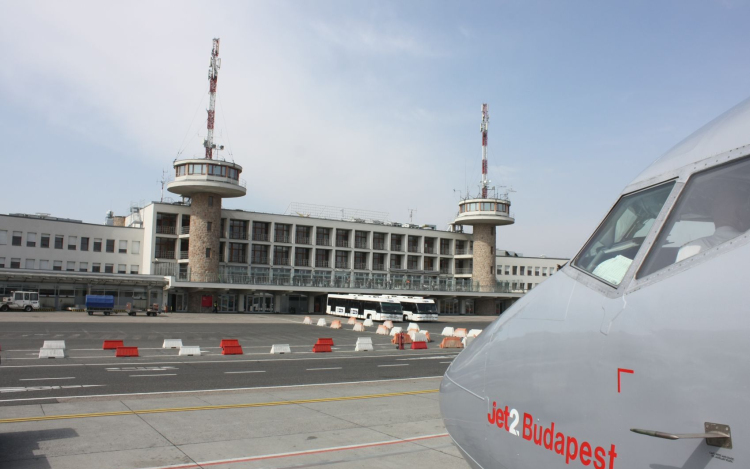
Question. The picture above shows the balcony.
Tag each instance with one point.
(445, 251)
(164, 254)
(282, 239)
(302, 239)
(183, 255)
(260, 236)
(463, 270)
(342, 265)
(397, 247)
(378, 246)
(360, 265)
(464, 252)
(320, 263)
(342, 243)
(302, 262)
(360, 244)
(323, 241)
(445, 270)
(260, 260)
(238, 235)
(185, 230)
(429, 250)
(237, 259)
(413, 248)
(166, 229)
(281, 261)
(378, 267)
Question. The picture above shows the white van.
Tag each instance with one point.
(25, 300)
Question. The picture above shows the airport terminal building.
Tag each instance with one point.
(266, 262)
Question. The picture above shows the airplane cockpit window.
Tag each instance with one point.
(713, 208)
(611, 250)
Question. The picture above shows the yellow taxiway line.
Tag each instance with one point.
(215, 407)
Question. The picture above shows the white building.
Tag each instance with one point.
(520, 274)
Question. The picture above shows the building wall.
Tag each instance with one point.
(526, 272)
(484, 255)
(69, 257)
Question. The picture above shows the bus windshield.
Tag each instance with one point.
(391, 307)
(429, 308)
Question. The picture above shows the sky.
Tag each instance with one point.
(371, 105)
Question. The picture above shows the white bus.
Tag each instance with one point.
(417, 308)
(377, 308)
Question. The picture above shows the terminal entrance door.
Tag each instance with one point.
(259, 303)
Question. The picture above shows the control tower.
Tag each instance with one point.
(206, 181)
(484, 214)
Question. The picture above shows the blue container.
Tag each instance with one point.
(100, 301)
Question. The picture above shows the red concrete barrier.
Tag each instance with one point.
(324, 341)
(231, 350)
(112, 344)
(126, 352)
(230, 342)
(418, 345)
(317, 348)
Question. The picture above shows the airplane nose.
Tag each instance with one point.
(462, 398)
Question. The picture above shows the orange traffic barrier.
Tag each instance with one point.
(336, 324)
(461, 332)
(352, 320)
(451, 342)
(126, 352)
(317, 348)
(324, 341)
(406, 338)
(231, 350)
(382, 330)
(427, 335)
(112, 344)
(230, 342)
(418, 345)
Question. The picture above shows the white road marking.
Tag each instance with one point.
(424, 358)
(319, 369)
(237, 372)
(143, 368)
(400, 364)
(447, 362)
(48, 388)
(162, 393)
(165, 374)
(43, 379)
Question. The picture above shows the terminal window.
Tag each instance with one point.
(110, 245)
(3, 237)
(97, 245)
(15, 263)
(31, 240)
(30, 263)
(109, 268)
(45, 241)
(58, 241)
(84, 244)
(96, 267)
(2, 262)
(17, 238)
(72, 243)
(57, 265)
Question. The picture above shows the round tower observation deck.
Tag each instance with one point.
(201, 175)
(495, 212)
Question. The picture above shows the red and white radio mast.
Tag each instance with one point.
(483, 129)
(213, 75)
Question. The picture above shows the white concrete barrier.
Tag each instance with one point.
(307, 320)
(467, 340)
(474, 332)
(280, 348)
(351, 320)
(417, 336)
(460, 332)
(172, 343)
(388, 324)
(54, 344)
(364, 344)
(397, 330)
(382, 330)
(413, 326)
(51, 353)
(190, 351)
(368, 322)
(322, 322)
(448, 332)
(358, 327)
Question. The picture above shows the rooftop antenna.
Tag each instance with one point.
(163, 182)
(483, 129)
(411, 214)
(213, 75)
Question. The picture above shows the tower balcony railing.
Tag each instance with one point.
(464, 252)
(185, 230)
(183, 255)
(166, 229)
(464, 271)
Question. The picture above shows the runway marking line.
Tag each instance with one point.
(164, 374)
(302, 453)
(43, 379)
(216, 407)
(320, 369)
(399, 364)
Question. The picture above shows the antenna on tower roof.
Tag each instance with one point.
(213, 76)
(483, 129)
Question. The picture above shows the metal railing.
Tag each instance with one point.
(445, 270)
(282, 239)
(446, 285)
(397, 247)
(260, 260)
(342, 243)
(464, 252)
(378, 246)
(429, 250)
(281, 261)
(183, 254)
(360, 265)
(360, 244)
(162, 254)
(185, 230)
(260, 236)
(233, 234)
(166, 229)
(323, 241)
(378, 267)
(413, 248)
(342, 265)
(445, 252)
(237, 259)
(319, 263)
(302, 239)
(464, 271)
(301, 262)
